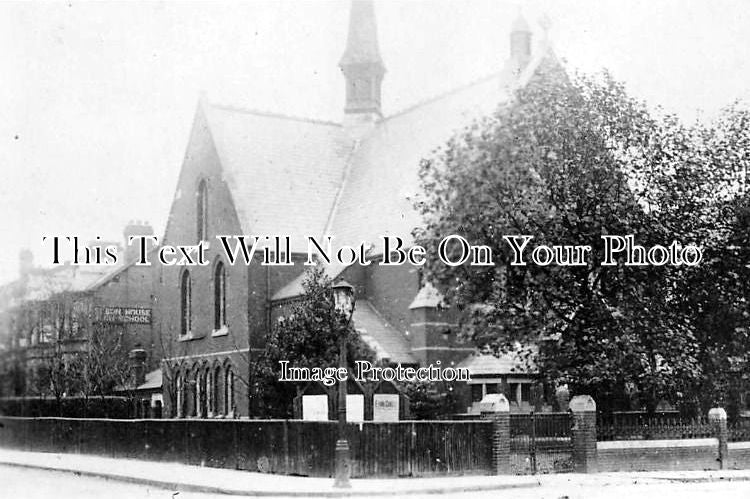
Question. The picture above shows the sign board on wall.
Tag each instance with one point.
(355, 408)
(315, 407)
(125, 315)
(385, 407)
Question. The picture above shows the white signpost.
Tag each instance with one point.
(355, 408)
(385, 407)
(315, 407)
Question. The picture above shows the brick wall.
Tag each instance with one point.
(135, 286)
(658, 455)
(246, 286)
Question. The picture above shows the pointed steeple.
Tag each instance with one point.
(361, 63)
(520, 43)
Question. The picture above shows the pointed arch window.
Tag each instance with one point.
(186, 304)
(216, 388)
(229, 392)
(180, 389)
(202, 211)
(202, 396)
(220, 296)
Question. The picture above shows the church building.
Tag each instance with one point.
(258, 173)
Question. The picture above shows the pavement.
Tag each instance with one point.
(176, 476)
(198, 479)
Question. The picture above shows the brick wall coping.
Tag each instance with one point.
(655, 444)
(739, 445)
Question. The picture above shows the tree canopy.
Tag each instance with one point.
(307, 334)
(567, 160)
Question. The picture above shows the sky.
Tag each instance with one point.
(97, 99)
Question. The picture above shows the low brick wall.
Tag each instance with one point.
(659, 455)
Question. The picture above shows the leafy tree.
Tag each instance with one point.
(568, 160)
(307, 335)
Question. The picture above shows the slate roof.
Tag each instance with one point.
(387, 341)
(283, 172)
(303, 177)
(153, 381)
(513, 362)
(299, 177)
(379, 193)
(294, 287)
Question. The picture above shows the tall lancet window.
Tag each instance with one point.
(220, 296)
(186, 304)
(202, 211)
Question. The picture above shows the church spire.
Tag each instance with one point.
(361, 63)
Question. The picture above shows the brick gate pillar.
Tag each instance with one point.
(583, 433)
(496, 408)
(718, 419)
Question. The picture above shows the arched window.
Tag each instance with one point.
(201, 400)
(186, 304)
(229, 392)
(202, 211)
(180, 385)
(195, 393)
(217, 399)
(210, 393)
(220, 296)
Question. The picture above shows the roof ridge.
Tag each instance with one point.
(442, 95)
(340, 191)
(271, 114)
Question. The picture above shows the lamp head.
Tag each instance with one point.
(343, 297)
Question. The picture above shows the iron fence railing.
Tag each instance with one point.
(641, 426)
(739, 431)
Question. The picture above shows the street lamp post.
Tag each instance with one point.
(343, 297)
